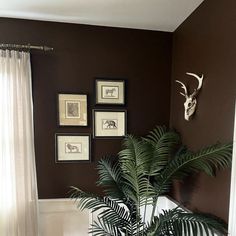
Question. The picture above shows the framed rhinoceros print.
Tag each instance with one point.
(109, 123)
(110, 91)
(71, 147)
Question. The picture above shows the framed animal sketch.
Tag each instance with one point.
(110, 91)
(72, 147)
(109, 123)
(72, 109)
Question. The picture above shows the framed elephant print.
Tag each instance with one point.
(109, 123)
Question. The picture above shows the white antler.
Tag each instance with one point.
(185, 94)
(191, 100)
(200, 79)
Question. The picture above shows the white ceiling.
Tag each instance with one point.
(164, 15)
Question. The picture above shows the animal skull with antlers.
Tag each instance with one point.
(191, 101)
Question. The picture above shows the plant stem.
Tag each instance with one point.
(137, 215)
(145, 208)
(154, 208)
(131, 214)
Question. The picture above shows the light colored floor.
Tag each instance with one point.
(60, 217)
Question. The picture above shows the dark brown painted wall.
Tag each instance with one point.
(205, 43)
(81, 54)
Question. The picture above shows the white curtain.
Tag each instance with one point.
(18, 188)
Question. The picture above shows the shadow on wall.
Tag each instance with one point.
(189, 186)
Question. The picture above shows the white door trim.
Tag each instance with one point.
(232, 207)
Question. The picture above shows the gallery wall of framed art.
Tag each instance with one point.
(107, 123)
(142, 58)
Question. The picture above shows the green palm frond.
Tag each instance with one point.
(134, 151)
(103, 228)
(143, 171)
(207, 160)
(133, 159)
(159, 226)
(156, 134)
(177, 222)
(86, 200)
(110, 177)
(114, 211)
(135, 229)
(161, 146)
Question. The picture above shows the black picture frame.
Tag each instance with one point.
(109, 134)
(116, 84)
(59, 115)
(76, 149)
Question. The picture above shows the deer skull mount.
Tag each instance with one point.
(191, 100)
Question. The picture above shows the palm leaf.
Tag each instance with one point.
(110, 178)
(156, 134)
(103, 228)
(133, 158)
(207, 160)
(162, 145)
(114, 211)
(144, 170)
(86, 200)
(178, 222)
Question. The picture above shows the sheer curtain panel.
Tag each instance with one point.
(18, 188)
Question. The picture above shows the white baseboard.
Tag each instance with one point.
(60, 217)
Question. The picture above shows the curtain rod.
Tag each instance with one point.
(26, 47)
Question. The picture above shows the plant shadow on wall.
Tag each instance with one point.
(187, 189)
(143, 171)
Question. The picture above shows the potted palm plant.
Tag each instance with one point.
(144, 171)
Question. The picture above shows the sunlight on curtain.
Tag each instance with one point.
(18, 188)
